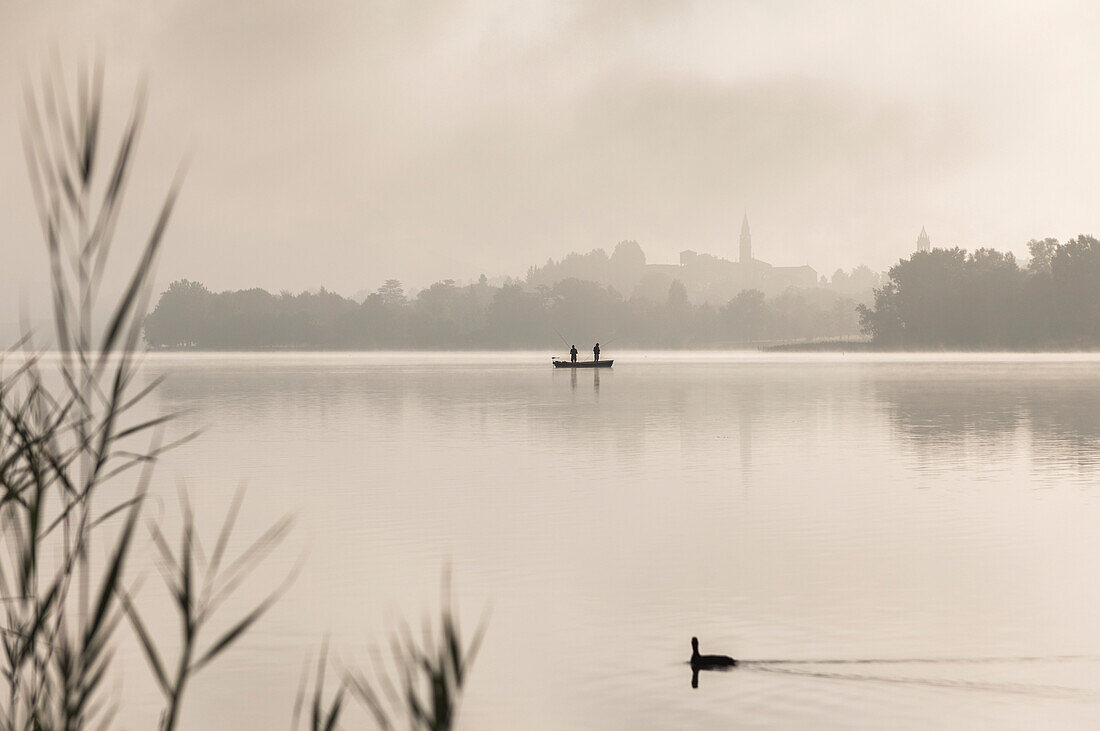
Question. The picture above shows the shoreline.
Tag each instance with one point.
(825, 346)
(840, 346)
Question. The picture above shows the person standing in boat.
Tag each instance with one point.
(573, 353)
(596, 352)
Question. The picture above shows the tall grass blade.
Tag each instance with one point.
(147, 644)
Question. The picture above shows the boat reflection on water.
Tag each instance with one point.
(595, 380)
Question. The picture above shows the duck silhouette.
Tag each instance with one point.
(708, 662)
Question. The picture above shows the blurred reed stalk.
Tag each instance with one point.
(426, 681)
(323, 715)
(62, 444)
(66, 440)
(199, 586)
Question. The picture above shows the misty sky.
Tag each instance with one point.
(341, 143)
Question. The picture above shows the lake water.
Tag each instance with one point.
(938, 514)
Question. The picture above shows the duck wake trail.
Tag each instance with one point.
(837, 669)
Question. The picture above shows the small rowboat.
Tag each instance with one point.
(583, 363)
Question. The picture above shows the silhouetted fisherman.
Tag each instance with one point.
(596, 352)
(573, 353)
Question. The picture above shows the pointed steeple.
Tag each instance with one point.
(924, 244)
(745, 256)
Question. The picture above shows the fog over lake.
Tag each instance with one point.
(550, 365)
(940, 510)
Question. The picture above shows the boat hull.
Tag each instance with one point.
(583, 364)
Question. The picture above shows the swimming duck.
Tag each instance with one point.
(708, 662)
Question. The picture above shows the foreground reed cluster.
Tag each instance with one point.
(77, 457)
(420, 689)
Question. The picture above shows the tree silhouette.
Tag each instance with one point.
(947, 298)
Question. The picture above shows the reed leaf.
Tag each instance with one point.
(428, 678)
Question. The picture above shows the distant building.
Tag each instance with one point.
(715, 279)
(708, 278)
(924, 245)
(745, 256)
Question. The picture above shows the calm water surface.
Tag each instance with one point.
(830, 508)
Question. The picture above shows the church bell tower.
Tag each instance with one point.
(745, 258)
(923, 242)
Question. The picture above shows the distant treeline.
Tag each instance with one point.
(947, 298)
(515, 315)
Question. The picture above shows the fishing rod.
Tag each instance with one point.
(562, 337)
(554, 357)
